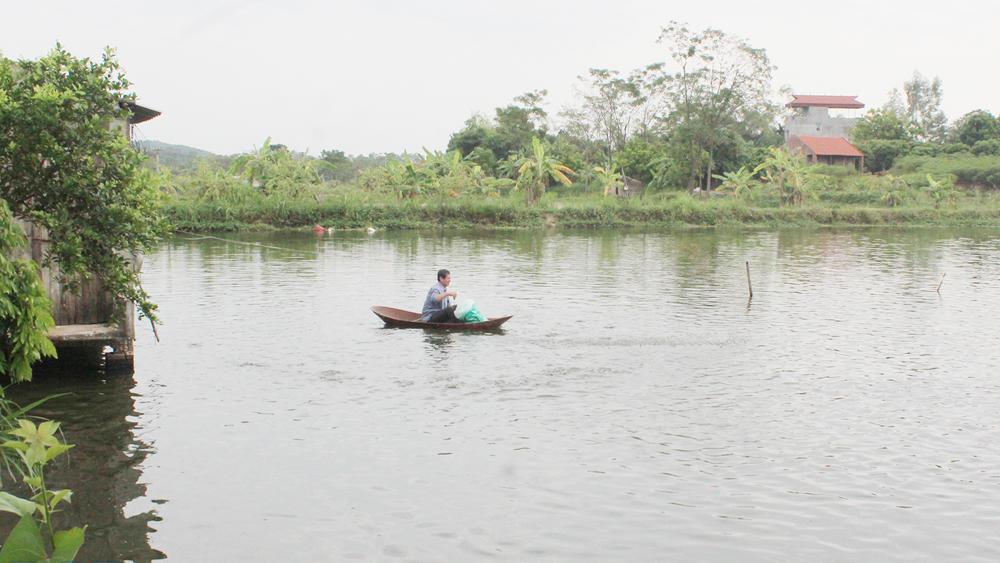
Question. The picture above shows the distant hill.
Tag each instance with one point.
(178, 158)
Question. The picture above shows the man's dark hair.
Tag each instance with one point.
(442, 274)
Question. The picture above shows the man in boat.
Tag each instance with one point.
(438, 306)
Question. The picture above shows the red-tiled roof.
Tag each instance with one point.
(846, 102)
(829, 146)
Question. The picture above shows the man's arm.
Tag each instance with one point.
(441, 296)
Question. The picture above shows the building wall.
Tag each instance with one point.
(849, 161)
(796, 146)
(123, 127)
(816, 122)
(87, 303)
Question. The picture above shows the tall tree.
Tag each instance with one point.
(720, 82)
(335, 165)
(923, 107)
(615, 107)
(531, 103)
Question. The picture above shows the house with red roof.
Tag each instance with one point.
(827, 150)
(822, 138)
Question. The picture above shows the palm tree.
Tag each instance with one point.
(535, 170)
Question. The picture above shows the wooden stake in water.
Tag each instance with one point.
(941, 282)
(749, 286)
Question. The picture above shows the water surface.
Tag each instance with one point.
(637, 407)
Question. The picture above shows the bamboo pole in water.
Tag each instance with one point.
(749, 286)
(941, 282)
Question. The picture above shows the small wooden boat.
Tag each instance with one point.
(408, 319)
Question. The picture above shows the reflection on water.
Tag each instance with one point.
(635, 406)
(99, 417)
(439, 344)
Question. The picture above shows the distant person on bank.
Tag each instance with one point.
(438, 307)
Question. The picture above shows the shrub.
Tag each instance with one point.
(966, 169)
(880, 155)
(987, 148)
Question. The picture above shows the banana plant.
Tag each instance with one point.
(739, 183)
(609, 178)
(941, 191)
(507, 167)
(895, 190)
(788, 172)
(251, 166)
(535, 170)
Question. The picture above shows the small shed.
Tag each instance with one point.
(630, 187)
(84, 317)
(85, 326)
(828, 150)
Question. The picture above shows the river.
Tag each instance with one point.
(637, 407)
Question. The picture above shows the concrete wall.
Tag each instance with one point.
(849, 161)
(88, 303)
(816, 122)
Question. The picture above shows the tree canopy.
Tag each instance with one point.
(722, 84)
(885, 123)
(923, 108)
(976, 126)
(66, 166)
(506, 136)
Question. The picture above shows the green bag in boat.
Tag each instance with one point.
(467, 312)
(474, 316)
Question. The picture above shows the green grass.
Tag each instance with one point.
(846, 205)
(966, 170)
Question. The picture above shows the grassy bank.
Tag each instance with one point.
(669, 210)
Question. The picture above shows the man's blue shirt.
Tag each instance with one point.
(431, 304)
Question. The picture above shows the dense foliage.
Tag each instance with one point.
(704, 121)
(918, 127)
(65, 166)
(25, 309)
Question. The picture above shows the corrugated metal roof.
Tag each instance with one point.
(845, 102)
(139, 113)
(829, 146)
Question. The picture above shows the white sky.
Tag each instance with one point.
(388, 75)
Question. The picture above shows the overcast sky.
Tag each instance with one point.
(387, 75)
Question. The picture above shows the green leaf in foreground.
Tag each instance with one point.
(24, 543)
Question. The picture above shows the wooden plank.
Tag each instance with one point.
(81, 333)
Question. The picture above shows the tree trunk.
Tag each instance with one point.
(693, 177)
(534, 193)
(708, 173)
